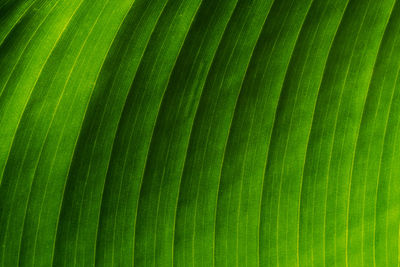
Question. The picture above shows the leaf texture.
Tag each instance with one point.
(199, 133)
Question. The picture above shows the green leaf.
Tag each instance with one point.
(199, 133)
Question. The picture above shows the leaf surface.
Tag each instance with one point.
(199, 133)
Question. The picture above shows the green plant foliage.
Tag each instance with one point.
(199, 133)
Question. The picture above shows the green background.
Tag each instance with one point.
(199, 133)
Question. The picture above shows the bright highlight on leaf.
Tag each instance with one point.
(199, 133)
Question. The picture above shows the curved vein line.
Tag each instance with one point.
(328, 181)
(158, 108)
(12, 71)
(120, 186)
(58, 144)
(191, 131)
(95, 141)
(381, 154)
(276, 113)
(289, 130)
(301, 177)
(388, 197)
(124, 170)
(379, 173)
(378, 177)
(270, 135)
(355, 147)
(108, 164)
(313, 114)
(40, 72)
(134, 123)
(16, 22)
(94, 85)
(381, 159)
(230, 124)
(169, 145)
(241, 186)
(336, 120)
(120, 116)
(167, 156)
(130, 139)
